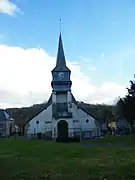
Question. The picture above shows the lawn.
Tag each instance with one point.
(23, 159)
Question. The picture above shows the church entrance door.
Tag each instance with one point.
(62, 129)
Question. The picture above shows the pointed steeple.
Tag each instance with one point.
(60, 62)
(60, 55)
(61, 84)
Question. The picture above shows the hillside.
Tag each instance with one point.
(101, 112)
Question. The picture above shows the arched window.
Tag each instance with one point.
(87, 120)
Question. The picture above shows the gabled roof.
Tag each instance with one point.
(61, 62)
(76, 103)
(4, 116)
(49, 102)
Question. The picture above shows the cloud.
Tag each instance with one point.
(8, 7)
(87, 62)
(26, 79)
(107, 93)
(85, 59)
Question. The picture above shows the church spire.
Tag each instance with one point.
(61, 73)
(60, 62)
(60, 55)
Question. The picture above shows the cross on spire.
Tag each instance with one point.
(60, 62)
(60, 25)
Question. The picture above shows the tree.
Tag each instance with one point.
(126, 105)
(102, 113)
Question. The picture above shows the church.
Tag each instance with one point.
(62, 118)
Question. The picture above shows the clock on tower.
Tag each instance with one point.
(61, 73)
(60, 76)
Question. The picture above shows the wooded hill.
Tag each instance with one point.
(103, 113)
(125, 108)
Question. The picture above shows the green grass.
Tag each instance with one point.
(23, 159)
(116, 140)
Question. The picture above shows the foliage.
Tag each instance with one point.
(37, 159)
(103, 113)
(126, 105)
(22, 115)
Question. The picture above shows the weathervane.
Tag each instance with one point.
(60, 25)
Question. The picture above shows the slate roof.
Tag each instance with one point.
(49, 102)
(76, 103)
(60, 66)
(61, 62)
(4, 116)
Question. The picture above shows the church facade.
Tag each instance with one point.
(62, 117)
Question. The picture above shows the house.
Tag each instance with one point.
(123, 126)
(62, 118)
(6, 123)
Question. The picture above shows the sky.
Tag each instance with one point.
(99, 44)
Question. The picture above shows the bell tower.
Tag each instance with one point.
(61, 86)
(61, 73)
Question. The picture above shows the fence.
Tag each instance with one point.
(75, 133)
(71, 133)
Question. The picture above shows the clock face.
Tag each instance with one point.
(60, 76)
